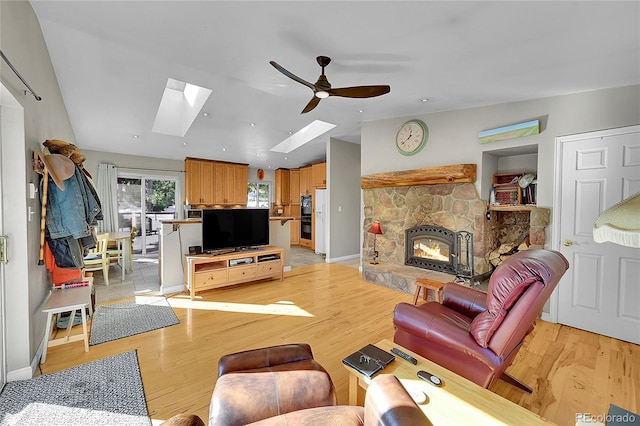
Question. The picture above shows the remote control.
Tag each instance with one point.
(428, 377)
(404, 355)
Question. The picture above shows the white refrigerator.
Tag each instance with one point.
(320, 219)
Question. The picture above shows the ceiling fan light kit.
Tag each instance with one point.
(322, 88)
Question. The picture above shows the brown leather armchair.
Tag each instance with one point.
(386, 403)
(284, 385)
(265, 382)
(475, 334)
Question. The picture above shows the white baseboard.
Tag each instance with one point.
(27, 373)
(172, 289)
(342, 258)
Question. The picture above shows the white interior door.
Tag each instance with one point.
(3, 372)
(601, 290)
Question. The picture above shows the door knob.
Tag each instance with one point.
(567, 243)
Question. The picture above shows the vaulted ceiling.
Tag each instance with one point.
(113, 59)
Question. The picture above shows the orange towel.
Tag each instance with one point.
(59, 275)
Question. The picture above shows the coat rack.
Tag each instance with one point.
(59, 168)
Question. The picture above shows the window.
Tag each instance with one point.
(150, 197)
(259, 194)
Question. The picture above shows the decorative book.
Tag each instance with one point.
(369, 360)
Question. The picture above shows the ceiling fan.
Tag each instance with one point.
(322, 87)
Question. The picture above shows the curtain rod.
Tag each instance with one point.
(38, 98)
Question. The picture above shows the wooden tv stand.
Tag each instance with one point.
(208, 271)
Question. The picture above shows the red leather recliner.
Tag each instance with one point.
(475, 334)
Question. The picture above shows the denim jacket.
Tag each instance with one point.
(71, 213)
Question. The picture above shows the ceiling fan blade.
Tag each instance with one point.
(291, 75)
(359, 91)
(311, 105)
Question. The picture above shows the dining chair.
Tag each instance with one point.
(134, 232)
(98, 258)
(116, 250)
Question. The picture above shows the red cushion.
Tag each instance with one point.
(505, 288)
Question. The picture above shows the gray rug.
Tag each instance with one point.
(146, 313)
(104, 392)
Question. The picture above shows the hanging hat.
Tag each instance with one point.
(59, 167)
(67, 149)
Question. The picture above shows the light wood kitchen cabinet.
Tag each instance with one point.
(241, 181)
(305, 180)
(282, 193)
(230, 183)
(319, 175)
(294, 188)
(199, 188)
(294, 226)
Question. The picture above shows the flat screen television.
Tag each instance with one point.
(234, 229)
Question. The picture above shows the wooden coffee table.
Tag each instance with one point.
(457, 402)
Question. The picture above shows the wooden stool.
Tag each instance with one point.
(424, 284)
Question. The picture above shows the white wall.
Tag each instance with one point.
(343, 184)
(22, 42)
(453, 135)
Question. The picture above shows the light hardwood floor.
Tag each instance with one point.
(336, 312)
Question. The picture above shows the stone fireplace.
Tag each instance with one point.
(440, 199)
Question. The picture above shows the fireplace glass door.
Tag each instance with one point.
(433, 249)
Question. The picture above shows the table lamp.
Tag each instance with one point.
(376, 230)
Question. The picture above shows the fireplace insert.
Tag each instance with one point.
(440, 249)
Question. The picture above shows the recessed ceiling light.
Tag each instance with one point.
(258, 154)
(136, 136)
(424, 100)
(253, 124)
(286, 158)
(205, 114)
(224, 149)
(184, 143)
(360, 110)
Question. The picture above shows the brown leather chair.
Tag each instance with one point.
(475, 334)
(260, 383)
(386, 403)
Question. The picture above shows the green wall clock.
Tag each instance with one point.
(412, 137)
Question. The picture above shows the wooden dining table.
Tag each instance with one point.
(123, 242)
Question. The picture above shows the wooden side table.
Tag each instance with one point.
(424, 284)
(66, 300)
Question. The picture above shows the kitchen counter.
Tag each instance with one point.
(282, 219)
(280, 236)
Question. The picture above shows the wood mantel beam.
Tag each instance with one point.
(455, 173)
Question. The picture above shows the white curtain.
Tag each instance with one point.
(108, 193)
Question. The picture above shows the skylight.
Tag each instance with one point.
(180, 105)
(303, 136)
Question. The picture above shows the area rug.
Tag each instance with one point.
(104, 392)
(146, 313)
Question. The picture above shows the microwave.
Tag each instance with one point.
(190, 213)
